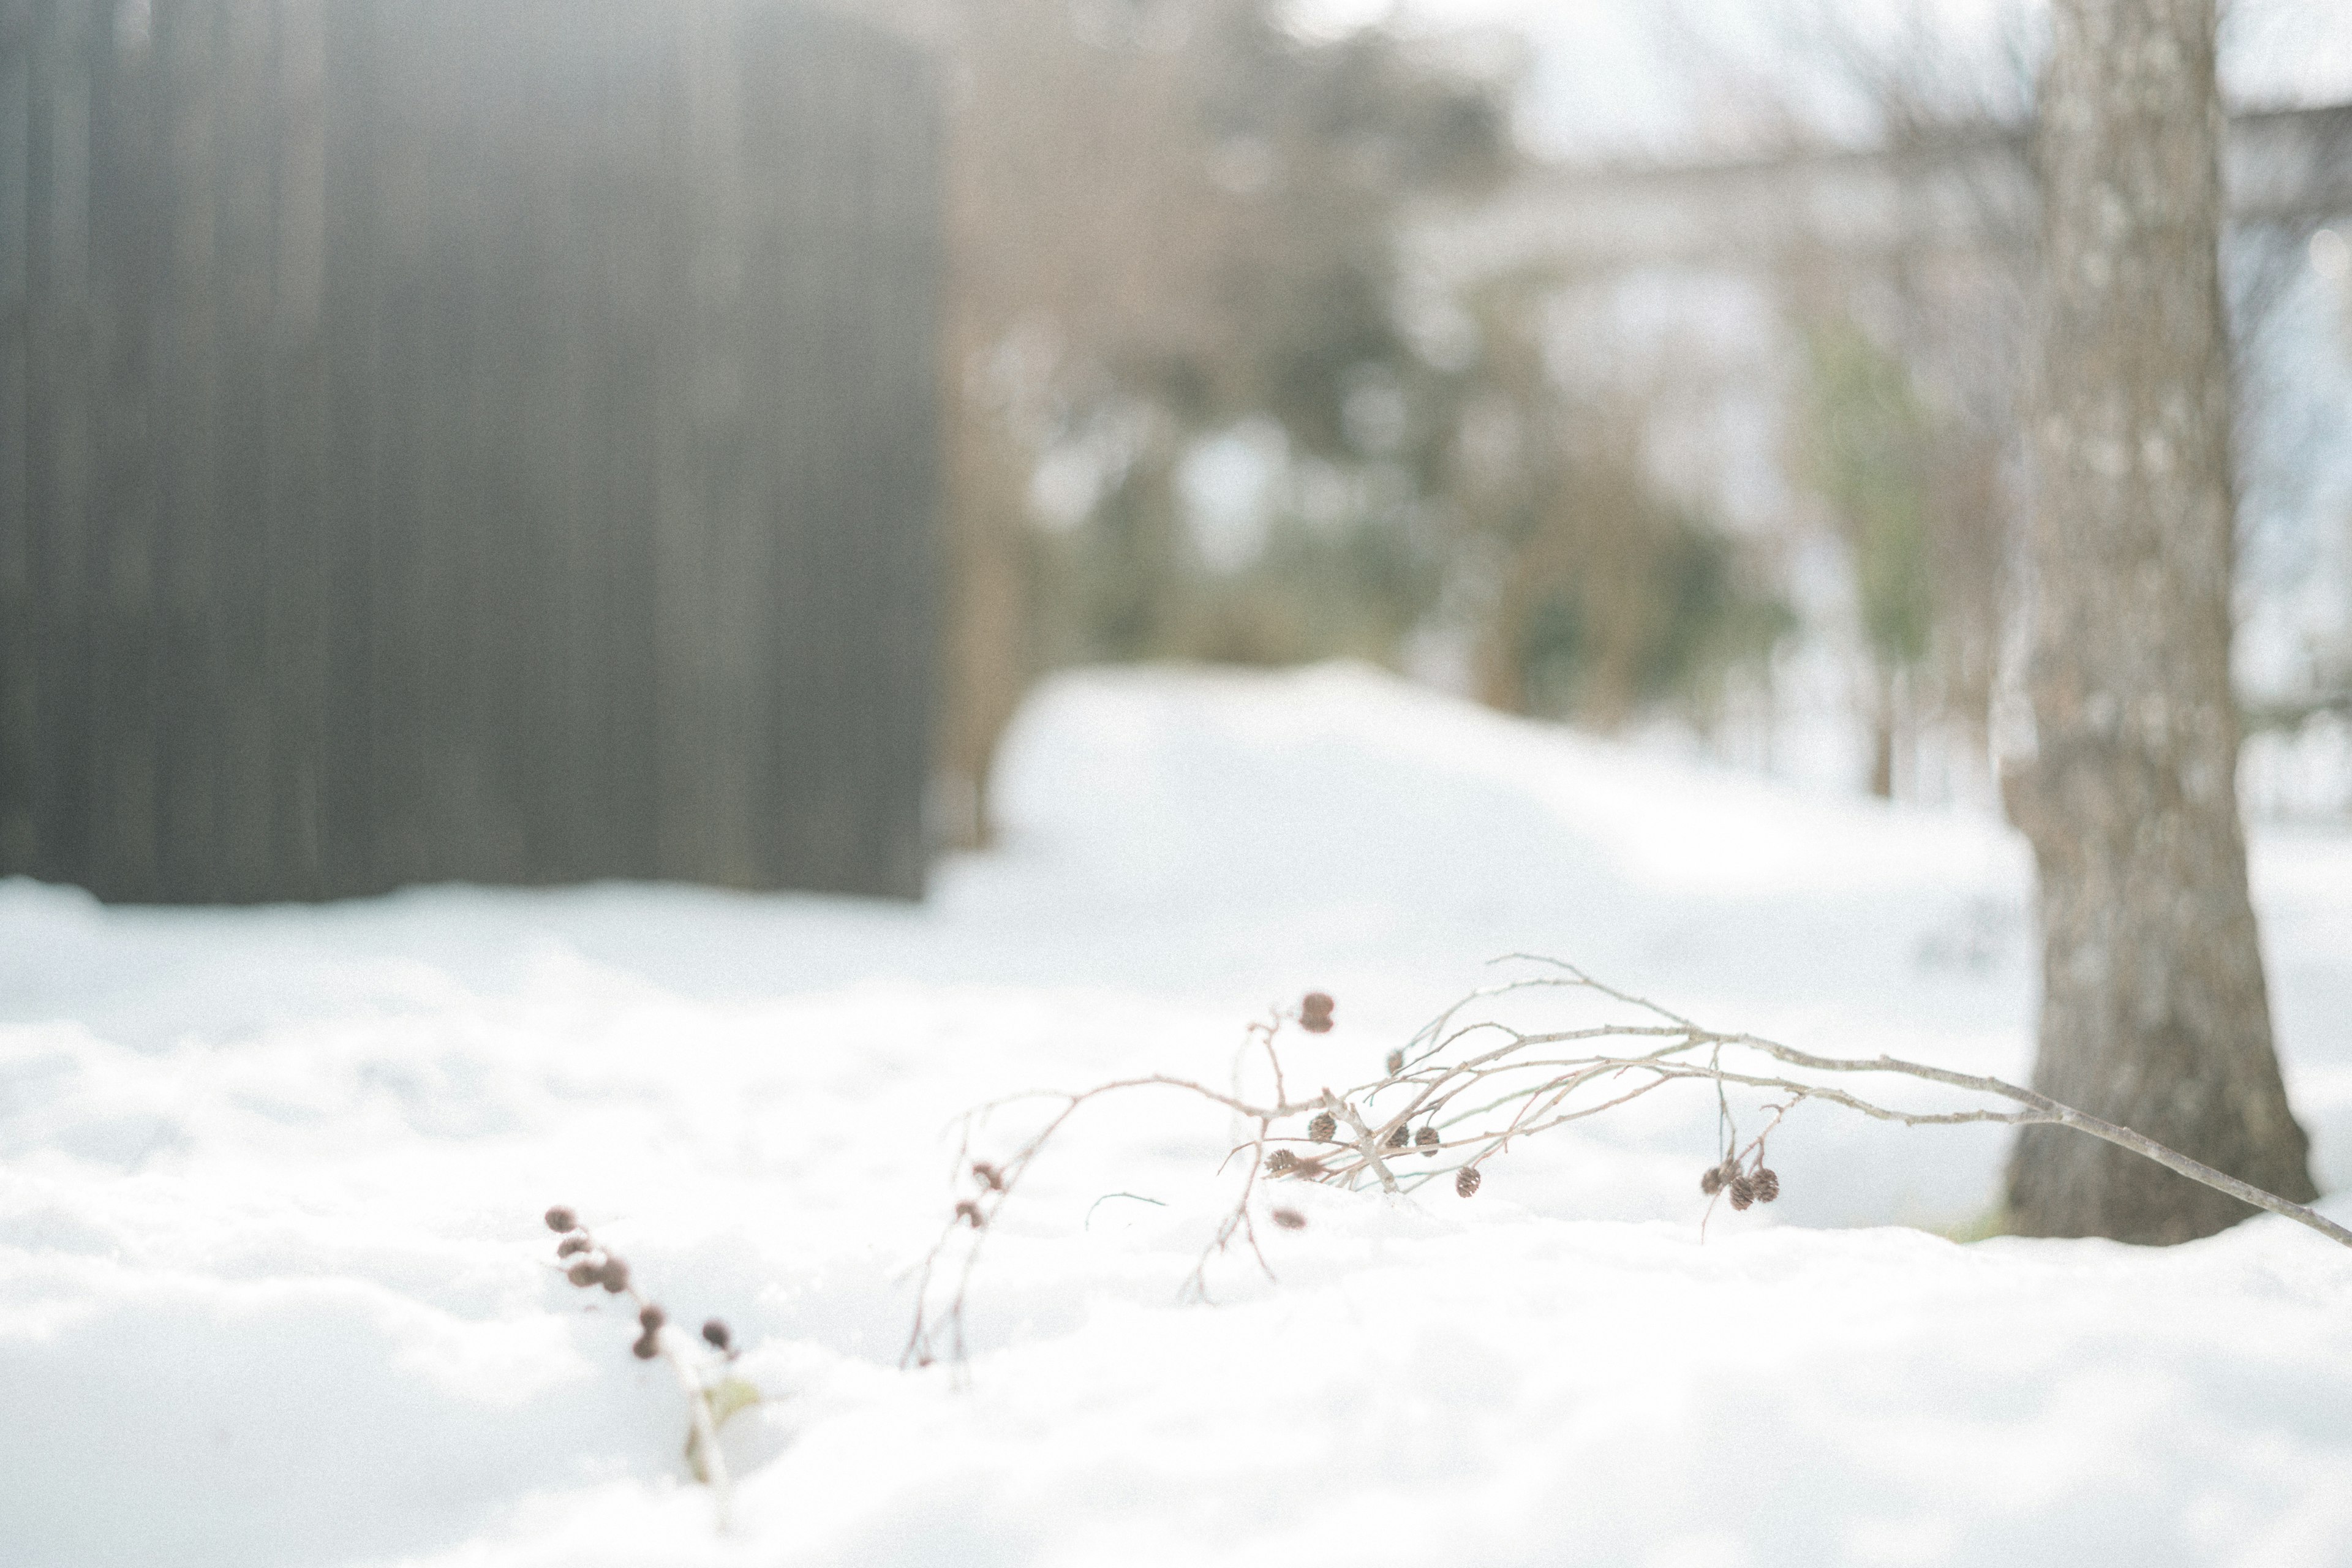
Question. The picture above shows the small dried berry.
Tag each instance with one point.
(1400, 1137)
(646, 1347)
(583, 1273)
(1766, 1182)
(1396, 1063)
(1427, 1141)
(715, 1334)
(1324, 1128)
(1743, 1191)
(571, 1244)
(1465, 1181)
(1281, 1160)
(987, 1176)
(613, 1275)
(651, 1317)
(560, 1219)
(969, 1212)
(1290, 1219)
(1315, 1014)
(1710, 1181)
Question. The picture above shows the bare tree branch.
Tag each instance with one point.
(1519, 1088)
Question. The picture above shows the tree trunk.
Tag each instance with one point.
(1882, 733)
(2153, 1012)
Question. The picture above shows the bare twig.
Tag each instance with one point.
(1465, 1085)
(598, 1265)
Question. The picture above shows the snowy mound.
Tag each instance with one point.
(274, 1289)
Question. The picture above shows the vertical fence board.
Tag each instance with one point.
(463, 438)
(296, 565)
(20, 845)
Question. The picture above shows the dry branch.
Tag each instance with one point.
(1465, 1085)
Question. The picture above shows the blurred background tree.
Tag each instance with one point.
(1189, 419)
(1915, 494)
(1210, 398)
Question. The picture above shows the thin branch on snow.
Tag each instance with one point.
(1465, 1087)
(598, 1265)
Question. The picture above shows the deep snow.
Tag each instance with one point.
(273, 1288)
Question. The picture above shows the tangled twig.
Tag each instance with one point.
(589, 1263)
(1465, 1087)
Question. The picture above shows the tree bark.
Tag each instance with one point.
(2154, 1013)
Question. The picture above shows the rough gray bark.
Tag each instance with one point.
(2154, 1013)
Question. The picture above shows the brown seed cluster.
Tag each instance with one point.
(968, 1212)
(1427, 1141)
(1290, 1219)
(1395, 1063)
(1401, 1137)
(1315, 1013)
(592, 1265)
(1324, 1128)
(1744, 1188)
(1465, 1181)
(987, 1176)
(650, 1318)
(1280, 1161)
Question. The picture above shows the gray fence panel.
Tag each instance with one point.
(477, 440)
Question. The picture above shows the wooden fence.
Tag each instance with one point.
(463, 439)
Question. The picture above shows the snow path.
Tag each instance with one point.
(273, 1287)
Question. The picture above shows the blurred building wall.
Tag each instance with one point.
(463, 439)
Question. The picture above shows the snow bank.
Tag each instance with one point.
(273, 1287)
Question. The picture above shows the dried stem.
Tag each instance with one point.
(682, 1358)
(1473, 1083)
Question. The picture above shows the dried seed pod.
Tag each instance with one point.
(1743, 1191)
(560, 1219)
(1281, 1160)
(715, 1334)
(571, 1244)
(1427, 1140)
(1400, 1137)
(987, 1176)
(1290, 1219)
(969, 1212)
(1315, 1014)
(583, 1273)
(1710, 1181)
(651, 1317)
(1396, 1063)
(1324, 1128)
(646, 1347)
(1310, 1169)
(613, 1275)
(1766, 1182)
(1466, 1180)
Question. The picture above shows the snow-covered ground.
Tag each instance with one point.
(273, 1288)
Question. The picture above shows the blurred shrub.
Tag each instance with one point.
(1177, 219)
(1915, 492)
